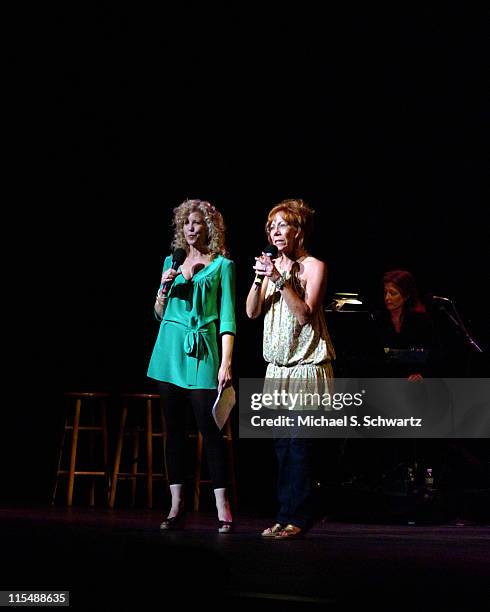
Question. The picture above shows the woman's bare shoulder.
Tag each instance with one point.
(312, 265)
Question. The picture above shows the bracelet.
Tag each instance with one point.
(280, 282)
(161, 300)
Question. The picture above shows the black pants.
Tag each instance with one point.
(174, 406)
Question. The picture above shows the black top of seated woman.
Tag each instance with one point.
(416, 331)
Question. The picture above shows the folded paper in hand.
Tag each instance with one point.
(223, 405)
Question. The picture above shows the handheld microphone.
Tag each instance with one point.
(178, 258)
(271, 251)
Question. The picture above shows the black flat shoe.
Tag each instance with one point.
(225, 526)
(174, 522)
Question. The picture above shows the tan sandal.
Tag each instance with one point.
(271, 532)
(290, 531)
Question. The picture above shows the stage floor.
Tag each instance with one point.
(120, 558)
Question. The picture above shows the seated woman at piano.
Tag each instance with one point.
(406, 330)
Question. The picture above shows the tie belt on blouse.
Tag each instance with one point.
(193, 342)
(195, 345)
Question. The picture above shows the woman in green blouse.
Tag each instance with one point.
(199, 306)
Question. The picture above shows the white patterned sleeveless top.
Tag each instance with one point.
(293, 350)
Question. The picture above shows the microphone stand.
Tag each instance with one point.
(458, 322)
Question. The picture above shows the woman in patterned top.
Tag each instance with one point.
(296, 346)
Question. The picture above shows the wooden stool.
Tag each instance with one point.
(135, 401)
(98, 400)
(198, 468)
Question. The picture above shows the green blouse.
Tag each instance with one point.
(186, 349)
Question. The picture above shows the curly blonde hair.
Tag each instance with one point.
(215, 226)
(298, 214)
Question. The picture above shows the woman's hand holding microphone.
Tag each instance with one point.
(264, 266)
(168, 278)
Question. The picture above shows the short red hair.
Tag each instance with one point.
(298, 214)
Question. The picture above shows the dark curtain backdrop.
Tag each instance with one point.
(376, 117)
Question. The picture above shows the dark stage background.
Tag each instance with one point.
(377, 118)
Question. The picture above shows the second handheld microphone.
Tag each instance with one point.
(271, 251)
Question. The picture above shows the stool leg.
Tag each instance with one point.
(60, 455)
(197, 475)
(105, 450)
(149, 453)
(74, 442)
(134, 465)
(91, 459)
(117, 458)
